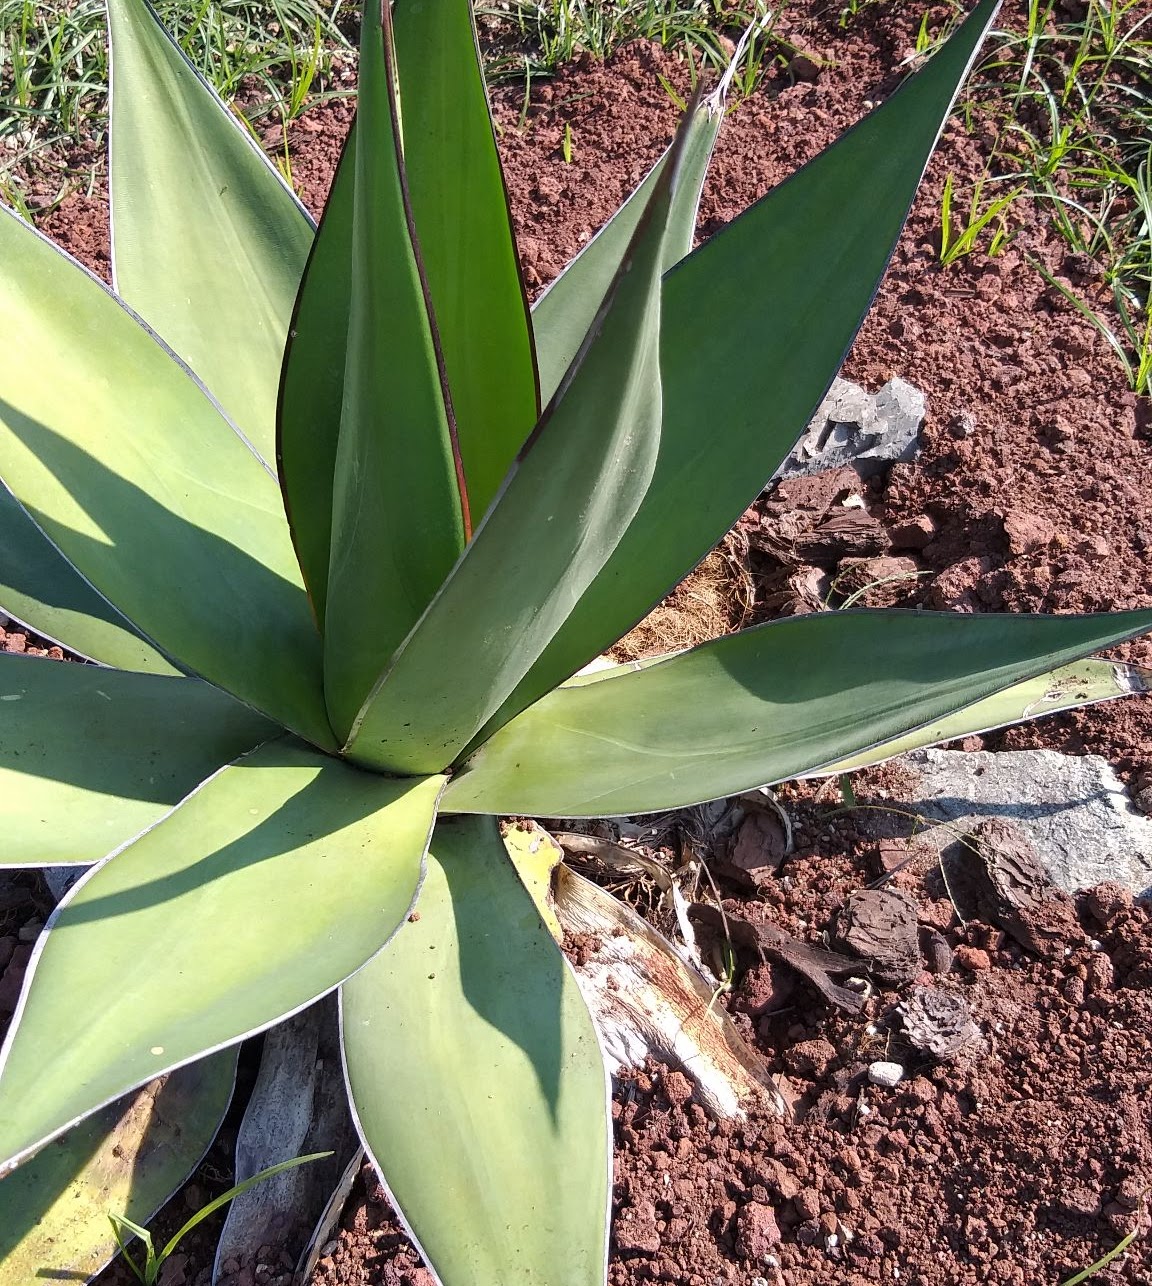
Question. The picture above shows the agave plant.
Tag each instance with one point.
(338, 518)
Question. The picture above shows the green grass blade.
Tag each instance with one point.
(265, 889)
(129, 1158)
(147, 490)
(492, 1134)
(91, 757)
(208, 243)
(745, 363)
(576, 486)
(208, 1210)
(755, 708)
(44, 592)
(469, 256)
(399, 515)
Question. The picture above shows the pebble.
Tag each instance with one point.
(887, 1074)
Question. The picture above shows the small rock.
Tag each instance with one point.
(889, 1075)
(807, 1204)
(635, 1229)
(757, 851)
(973, 959)
(1027, 533)
(810, 1058)
(1107, 901)
(29, 932)
(806, 66)
(757, 1231)
(915, 534)
(853, 427)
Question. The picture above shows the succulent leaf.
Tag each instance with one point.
(129, 1158)
(776, 701)
(399, 511)
(466, 243)
(501, 1170)
(42, 590)
(559, 516)
(181, 530)
(266, 888)
(756, 323)
(208, 242)
(91, 757)
(561, 317)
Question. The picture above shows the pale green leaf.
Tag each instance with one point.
(312, 384)
(90, 757)
(477, 1079)
(265, 889)
(770, 703)
(134, 475)
(128, 1158)
(39, 588)
(208, 243)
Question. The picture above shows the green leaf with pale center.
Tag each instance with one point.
(398, 521)
(89, 758)
(128, 1158)
(208, 243)
(1067, 688)
(573, 492)
(42, 590)
(477, 1080)
(271, 884)
(135, 476)
(756, 323)
(765, 705)
(469, 256)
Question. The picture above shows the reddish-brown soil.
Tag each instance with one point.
(1026, 1158)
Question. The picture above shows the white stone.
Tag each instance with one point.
(887, 1074)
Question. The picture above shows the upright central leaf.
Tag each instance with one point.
(575, 488)
(461, 211)
(397, 521)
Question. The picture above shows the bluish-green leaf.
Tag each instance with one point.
(561, 317)
(761, 706)
(312, 384)
(397, 510)
(573, 492)
(133, 473)
(89, 758)
(469, 256)
(44, 592)
(477, 1079)
(128, 1158)
(265, 889)
(208, 243)
(756, 323)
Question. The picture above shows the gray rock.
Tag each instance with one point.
(854, 427)
(1073, 808)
